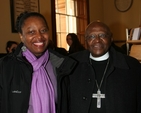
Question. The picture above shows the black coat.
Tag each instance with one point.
(16, 77)
(122, 84)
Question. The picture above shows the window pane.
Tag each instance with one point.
(63, 23)
(61, 40)
(57, 23)
(60, 6)
(72, 24)
(70, 7)
(58, 39)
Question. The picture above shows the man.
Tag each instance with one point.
(104, 81)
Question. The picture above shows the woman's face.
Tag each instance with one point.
(69, 40)
(35, 35)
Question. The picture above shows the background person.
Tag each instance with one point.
(105, 80)
(28, 77)
(74, 43)
(11, 46)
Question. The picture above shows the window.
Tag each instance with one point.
(71, 17)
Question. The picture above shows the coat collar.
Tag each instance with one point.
(117, 59)
(63, 64)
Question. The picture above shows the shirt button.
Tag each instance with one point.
(89, 80)
(84, 98)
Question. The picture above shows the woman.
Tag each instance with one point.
(29, 76)
(74, 43)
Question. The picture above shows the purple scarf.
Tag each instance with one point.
(42, 97)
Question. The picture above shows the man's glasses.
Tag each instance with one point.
(93, 36)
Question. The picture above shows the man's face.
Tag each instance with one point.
(98, 39)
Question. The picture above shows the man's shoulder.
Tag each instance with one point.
(81, 56)
(132, 60)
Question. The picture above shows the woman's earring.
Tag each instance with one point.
(23, 48)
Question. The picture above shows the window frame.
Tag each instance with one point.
(53, 16)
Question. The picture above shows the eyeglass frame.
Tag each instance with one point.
(97, 36)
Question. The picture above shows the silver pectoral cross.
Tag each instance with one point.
(98, 96)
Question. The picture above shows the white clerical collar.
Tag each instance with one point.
(101, 58)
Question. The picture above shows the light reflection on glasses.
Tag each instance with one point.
(93, 36)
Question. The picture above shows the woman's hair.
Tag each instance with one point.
(23, 16)
(76, 45)
(74, 38)
(9, 45)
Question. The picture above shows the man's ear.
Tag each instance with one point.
(21, 37)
